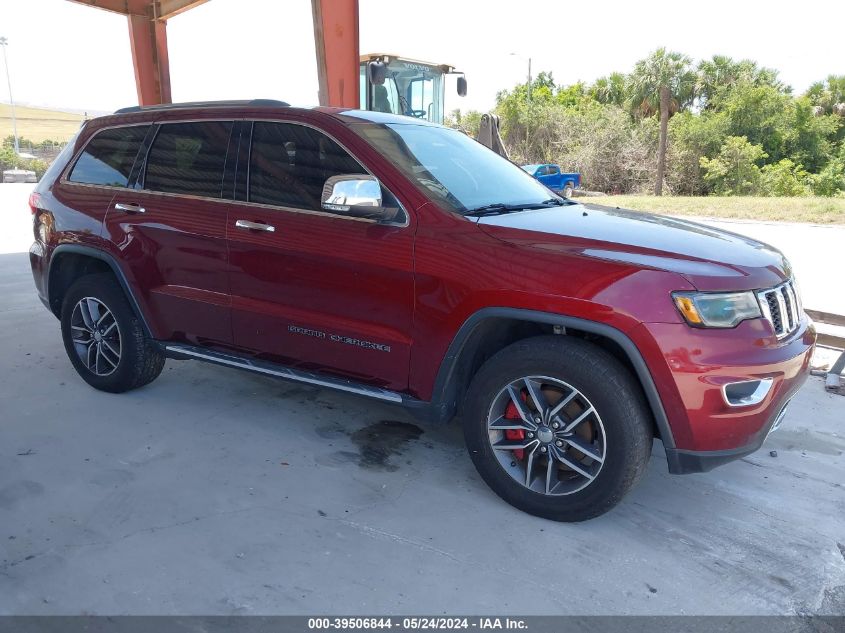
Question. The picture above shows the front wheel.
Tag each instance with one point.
(557, 427)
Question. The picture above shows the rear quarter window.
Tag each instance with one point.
(108, 157)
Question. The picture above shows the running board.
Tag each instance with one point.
(286, 373)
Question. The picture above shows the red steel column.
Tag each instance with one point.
(148, 39)
(336, 43)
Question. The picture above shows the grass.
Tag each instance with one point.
(39, 124)
(811, 209)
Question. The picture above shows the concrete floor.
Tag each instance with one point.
(213, 491)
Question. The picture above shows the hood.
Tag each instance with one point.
(709, 258)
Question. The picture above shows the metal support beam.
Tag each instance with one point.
(164, 9)
(336, 43)
(148, 39)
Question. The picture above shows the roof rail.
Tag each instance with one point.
(261, 103)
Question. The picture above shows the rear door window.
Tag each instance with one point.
(289, 164)
(108, 158)
(189, 158)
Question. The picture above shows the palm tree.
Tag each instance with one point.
(663, 82)
(722, 72)
(611, 89)
(829, 95)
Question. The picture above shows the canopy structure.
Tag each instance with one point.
(335, 39)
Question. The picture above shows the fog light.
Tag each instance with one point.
(747, 392)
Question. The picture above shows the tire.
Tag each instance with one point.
(114, 356)
(568, 190)
(615, 438)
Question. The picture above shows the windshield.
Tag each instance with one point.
(462, 174)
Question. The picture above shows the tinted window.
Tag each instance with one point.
(109, 156)
(188, 158)
(289, 164)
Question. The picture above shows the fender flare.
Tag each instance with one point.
(448, 365)
(96, 253)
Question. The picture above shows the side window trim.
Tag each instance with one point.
(230, 166)
(242, 197)
(142, 175)
(241, 185)
(136, 177)
(248, 153)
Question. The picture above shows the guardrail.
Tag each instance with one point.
(830, 340)
(833, 379)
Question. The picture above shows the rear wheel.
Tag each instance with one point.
(557, 427)
(103, 338)
(568, 189)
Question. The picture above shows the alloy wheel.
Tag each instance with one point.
(546, 435)
(95, 336)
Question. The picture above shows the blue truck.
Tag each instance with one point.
(556, 180)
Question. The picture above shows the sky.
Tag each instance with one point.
(70, 56)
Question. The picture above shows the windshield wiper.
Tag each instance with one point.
(497, 208)
(558, 202)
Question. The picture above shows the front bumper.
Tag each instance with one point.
(707, 430)
(682, 462)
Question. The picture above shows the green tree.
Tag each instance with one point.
(612, 90)
(829, 94)
(468, 122)
(663, 82)
(10, 160)
(734, 171)
(692, 136)
(830, 181)
(571, 125)
(784, 178)
(786, 127)
(809, 139)
(720, 74)
(570, 96)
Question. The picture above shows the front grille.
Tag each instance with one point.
(781, 307)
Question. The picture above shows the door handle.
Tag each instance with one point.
(255, 226)
(129, 208)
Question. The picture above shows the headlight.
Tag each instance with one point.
(708, 309)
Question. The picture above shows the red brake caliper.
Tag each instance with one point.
(514, 434)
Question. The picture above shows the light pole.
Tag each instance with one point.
(528, 86)
(528, 93)
(4, 43)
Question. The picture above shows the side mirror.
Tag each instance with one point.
(356, 195)
(462, 86)
(376, 73)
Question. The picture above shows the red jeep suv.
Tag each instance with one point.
(403, 261)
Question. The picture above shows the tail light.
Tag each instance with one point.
(34, 202)
(39, 228)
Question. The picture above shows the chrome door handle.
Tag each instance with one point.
(129, 208)
(255, 226)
